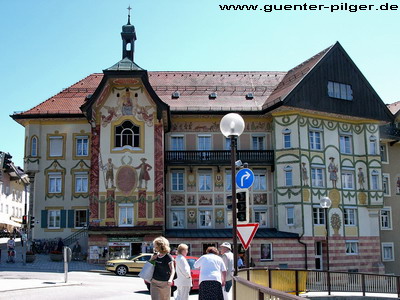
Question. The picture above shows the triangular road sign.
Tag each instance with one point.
(246, 232)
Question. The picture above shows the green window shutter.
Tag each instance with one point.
(43, 222)
(63, 222)
(71, 218)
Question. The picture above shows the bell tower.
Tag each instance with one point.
(128, 35)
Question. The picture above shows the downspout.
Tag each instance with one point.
(305, 251)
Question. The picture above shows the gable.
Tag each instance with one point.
(337, 67)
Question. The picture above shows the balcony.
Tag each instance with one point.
(218, 157)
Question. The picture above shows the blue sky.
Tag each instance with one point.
(48, 45)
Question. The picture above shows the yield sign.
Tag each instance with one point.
(246, 232)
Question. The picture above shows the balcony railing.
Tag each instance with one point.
(219, 157)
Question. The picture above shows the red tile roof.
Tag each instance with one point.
(194, 89)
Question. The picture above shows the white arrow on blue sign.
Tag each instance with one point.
(244, 178)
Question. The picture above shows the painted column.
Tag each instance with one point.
(159, 172)
(94, 176)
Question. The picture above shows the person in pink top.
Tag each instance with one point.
(212, 275)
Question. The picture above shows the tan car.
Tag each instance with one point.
(132, 264)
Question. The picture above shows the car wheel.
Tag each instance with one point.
(121, 270)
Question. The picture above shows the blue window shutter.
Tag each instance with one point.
(71, 218)
(43, 222)
(63, 223)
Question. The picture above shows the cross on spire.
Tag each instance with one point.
(129, 15)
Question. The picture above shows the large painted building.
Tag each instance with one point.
(389, 222)
(136, 154)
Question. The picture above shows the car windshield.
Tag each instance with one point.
(191, 262)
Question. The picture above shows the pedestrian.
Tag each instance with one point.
(76, 250)
(212, 275)
(164, 270)
(240, 263)
(227, 257)
(11, 249)
(60, 245)
(184, 280)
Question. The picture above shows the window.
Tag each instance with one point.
(227, 143)
(351, 247)
(126, 215)
(383, 151)
(347, 179)
(317, 177)
(204, 142)
(177, 180)
(228, 181)
(82, 146)
(81, 182)
(177, 143)
(34, 146)
(260, 182)
(387, 251)
(205, 218)
(386, 218)
(258, 142)
(346, 144)
(260, 217)
(229, 220)
(315, 140)
(127, 134)
(56, 146)
(54, 219)
(319, 216)
(80, 218)
(372, 145)
(287, 143)
(375, 180)
(177, 218)
(340, 90)
(204, 182)
(350, 216)
(386, 184)
(288, 176)
(55, 183)
(290, 215)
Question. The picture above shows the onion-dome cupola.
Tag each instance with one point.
(128, 35)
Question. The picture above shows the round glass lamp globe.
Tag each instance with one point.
(325, 202)
(232, 125)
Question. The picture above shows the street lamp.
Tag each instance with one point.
(232, 126)
(326, 203)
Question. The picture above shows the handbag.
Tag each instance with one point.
(147, 271)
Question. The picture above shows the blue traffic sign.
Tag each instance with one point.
(244, 178)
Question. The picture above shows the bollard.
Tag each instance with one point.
(67, 259)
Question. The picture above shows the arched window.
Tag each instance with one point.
(34, 146)
(372, 145)
(127, 134)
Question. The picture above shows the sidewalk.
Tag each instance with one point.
(42, 263)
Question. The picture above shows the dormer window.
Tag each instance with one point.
(340, 90)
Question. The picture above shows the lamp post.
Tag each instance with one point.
(326, 203)
(232, 126)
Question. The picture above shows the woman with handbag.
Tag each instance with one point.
(164, 270)
(184, 280)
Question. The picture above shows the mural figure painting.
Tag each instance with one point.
(144, 172)
(361, 179)
(333, 169)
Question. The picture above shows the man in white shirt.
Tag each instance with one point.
(227, 257)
